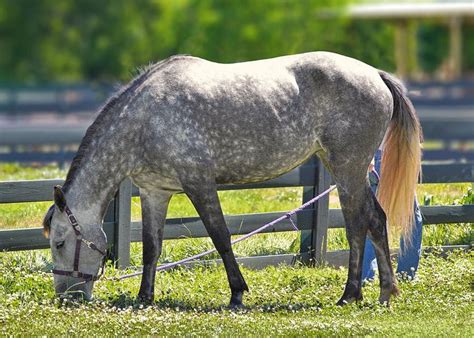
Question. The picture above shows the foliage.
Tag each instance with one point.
(106, 40)
(69, 40)
(468, 47)
(467, 198)
(433, 40)
(286, 301)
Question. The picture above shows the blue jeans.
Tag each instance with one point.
(409, 256)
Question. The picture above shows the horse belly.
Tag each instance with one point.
(250, 162)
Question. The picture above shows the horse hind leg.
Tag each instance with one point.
(363, 215)
(354, 208)
(379, 235)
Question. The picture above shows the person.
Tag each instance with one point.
(409, 255)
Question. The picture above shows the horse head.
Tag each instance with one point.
(78, 248)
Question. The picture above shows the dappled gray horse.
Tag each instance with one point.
(187, 124)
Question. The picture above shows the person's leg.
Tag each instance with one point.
(369, 264)
(409, 256)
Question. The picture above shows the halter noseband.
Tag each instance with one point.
(77, 252)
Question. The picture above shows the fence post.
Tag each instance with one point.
(313, 245)
(308, 193)
(122, 224)
(110, 218)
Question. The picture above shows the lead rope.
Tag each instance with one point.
(250, 234)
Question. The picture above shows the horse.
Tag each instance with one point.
(186, 124)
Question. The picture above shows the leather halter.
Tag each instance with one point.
(77, 252)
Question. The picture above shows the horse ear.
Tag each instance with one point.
(59, 198)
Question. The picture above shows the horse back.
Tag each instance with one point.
(253, 120)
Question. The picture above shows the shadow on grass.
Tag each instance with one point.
(168, 303)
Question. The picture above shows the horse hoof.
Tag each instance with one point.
(236, 298)
(349, 299)
(236, 306)
(145, 299)
(384, 298)
(386, 293)
(342, 302)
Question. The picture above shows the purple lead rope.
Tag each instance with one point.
(250, 234)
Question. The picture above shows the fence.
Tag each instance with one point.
(446, 112)
(27, 144)
(20, 100)
(313, 223)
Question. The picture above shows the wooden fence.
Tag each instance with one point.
(46, 144)
(313, 222)
(21, 100)
(446, 111)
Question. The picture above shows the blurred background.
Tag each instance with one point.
(60, 60)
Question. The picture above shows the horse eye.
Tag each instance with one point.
(59, 245)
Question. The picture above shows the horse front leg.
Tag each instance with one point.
(203, 195)
(154, 208)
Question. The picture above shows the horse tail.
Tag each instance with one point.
(401, 160)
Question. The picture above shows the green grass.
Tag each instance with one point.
(17, 172)
(286, 301)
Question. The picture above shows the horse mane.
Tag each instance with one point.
(143, 74)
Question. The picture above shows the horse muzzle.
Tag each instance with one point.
(67, 287)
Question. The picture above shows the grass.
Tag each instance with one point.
(285, 301)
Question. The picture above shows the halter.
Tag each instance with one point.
(77, 252)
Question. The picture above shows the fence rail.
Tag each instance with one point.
(63, 98)
(27, 143)
(41, 190)
(446, 111)
(313, 222)
(18, 100)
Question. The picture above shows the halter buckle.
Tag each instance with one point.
(87, 243)
(75, 274)
(72, 219)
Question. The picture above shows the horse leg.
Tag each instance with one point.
(379, 236)
(363, 215)
(154, 208)
(355, 209)
(204, 197)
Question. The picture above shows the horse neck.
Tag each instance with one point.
(99, 173)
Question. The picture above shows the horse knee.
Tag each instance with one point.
(151, 251)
